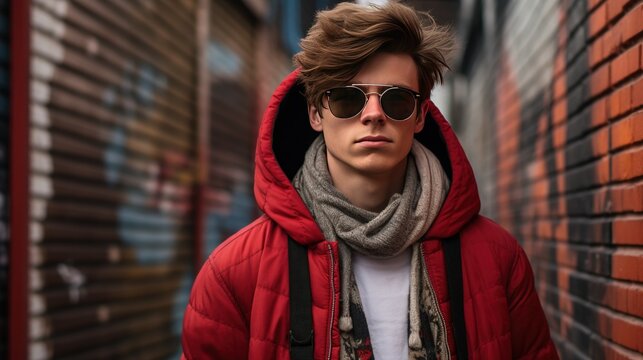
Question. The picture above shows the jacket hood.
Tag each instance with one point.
(285, 135)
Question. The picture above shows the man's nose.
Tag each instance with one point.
(373, 111)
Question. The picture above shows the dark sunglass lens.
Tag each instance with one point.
(398, 104)
(345, 102)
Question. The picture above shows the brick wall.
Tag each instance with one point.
(548, 102)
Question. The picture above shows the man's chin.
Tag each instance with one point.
(378, 169)
(375, 164)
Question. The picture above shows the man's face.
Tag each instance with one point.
(370, 143)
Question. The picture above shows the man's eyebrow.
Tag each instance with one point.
(361, 84)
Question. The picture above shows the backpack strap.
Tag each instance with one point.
(453, 262)
(301, 318)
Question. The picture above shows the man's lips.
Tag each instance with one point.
(377, 138)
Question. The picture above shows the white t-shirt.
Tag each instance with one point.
(384, 289)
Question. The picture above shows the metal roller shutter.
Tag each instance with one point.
(233, 90)
(4, 166)
(112, 151)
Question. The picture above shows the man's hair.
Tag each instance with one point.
(342, 39)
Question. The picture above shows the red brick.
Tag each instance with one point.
(544, 229)
(563, 273)
(627, 332)
(559, 159)
(614, 8)
(593, 3)
(604, 324)
(559, 136)
(538, 170)
(627, 164)
(598, 20)
(628, 130)
(565, 257)
(612, 40)
(627, 231)
(559, 63)
(560, 111)
(625, 64)
(600, 142)
(560, 87)
(611, 351)
(540, 189)
(561, 231)
(543, 123)
(596, 51)
(619, 297)
(627, 198)
(634, 295)
(632, 23)
(635, 298)
(620, 101)
(626, 263)
(613, 296)
(599, 112)
(637, 92)
(603, 171)
(600, 200)
(626, 99)
(600, 80)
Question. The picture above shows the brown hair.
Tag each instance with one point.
(342, 39)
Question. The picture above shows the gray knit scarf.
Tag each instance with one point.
(403, 222)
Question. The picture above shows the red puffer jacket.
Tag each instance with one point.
(239, 303)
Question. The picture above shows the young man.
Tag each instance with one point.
(355, 163)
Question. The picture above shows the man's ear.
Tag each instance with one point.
(314, 118)
(419, 122)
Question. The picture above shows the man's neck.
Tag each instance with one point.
(367, 190)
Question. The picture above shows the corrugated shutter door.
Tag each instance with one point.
(4, 174)
(233, 90)
(112, 149)
(273, 65)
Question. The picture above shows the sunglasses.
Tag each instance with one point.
(397, 102)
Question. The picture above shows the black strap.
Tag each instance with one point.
(454, 281)
(301, 317)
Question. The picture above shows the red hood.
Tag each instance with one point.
(284, 137)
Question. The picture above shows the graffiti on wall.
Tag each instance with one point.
(112, 180)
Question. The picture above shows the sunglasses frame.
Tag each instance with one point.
(415, 94)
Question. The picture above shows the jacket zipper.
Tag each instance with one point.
(436, 305)
(332, 303)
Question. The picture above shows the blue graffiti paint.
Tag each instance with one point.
(114, 156)
(222, 60)
(291, 30)
(155, 243)
(239, 214)
(147, 84)
(142, 225)
(181, 299)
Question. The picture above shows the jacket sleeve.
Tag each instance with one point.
(530, 336)
(213, 324)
